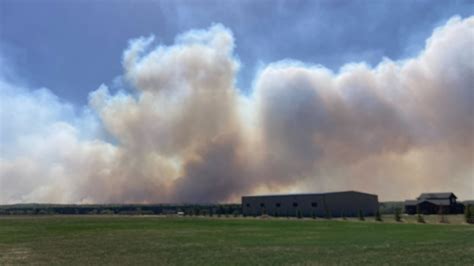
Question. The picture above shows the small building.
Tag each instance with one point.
(433, 203)
(333, 204)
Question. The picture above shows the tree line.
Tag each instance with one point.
(125, 209)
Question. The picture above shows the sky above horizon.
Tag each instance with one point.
(50, 41)
(203, 101)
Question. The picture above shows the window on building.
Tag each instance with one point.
(262, 205)
(295, 204)
(314, 204)
(248, 205)
(278, 205)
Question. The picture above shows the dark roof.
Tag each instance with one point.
(309, 194)
(439, 195)
(439, 202)
(442, 202)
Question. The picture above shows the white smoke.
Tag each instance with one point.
(187, 134)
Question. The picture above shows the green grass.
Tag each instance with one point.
(100, 240)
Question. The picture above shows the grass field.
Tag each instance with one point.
(82, 240)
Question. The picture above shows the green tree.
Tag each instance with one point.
(468, 214)
(378, 217)
(220, 211)
(419, 217)
(361, 215)
(398, 215)
(299, 214)
(442, 217)
(328, 213)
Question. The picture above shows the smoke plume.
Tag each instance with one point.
(186, 133)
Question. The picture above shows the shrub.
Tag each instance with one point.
(468, 214)
(419, 217)
(361, 215)
(328, 213)
(442, 216)
(106, 211)
(378, 217)
(398, 215)
(43, 212)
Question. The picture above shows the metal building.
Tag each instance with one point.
(333, 204)
(432, 203)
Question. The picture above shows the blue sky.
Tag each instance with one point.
(71, 47)
(205, 101)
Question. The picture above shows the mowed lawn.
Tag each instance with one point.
(101, 240)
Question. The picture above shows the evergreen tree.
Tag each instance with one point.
(298, 214)
(398, 215)
(468, 215)
(328, 213)
(419, 217)
(378, 217)
(442, 217)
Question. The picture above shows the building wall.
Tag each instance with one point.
(429, 208)
(336, 204)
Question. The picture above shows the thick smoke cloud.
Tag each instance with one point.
(187, 134)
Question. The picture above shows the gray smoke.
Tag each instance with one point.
(187, 134)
